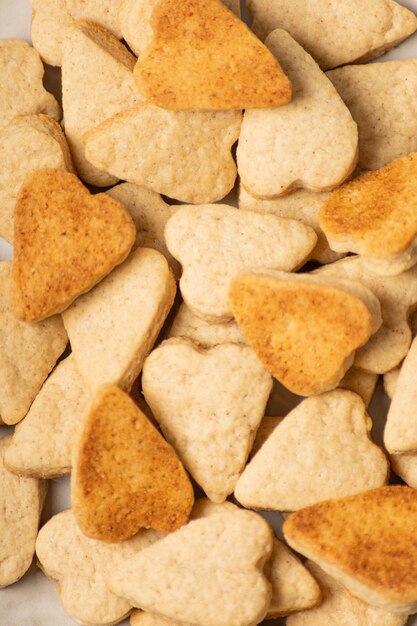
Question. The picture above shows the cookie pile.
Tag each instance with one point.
(145, 324)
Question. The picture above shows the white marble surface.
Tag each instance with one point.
(33, 601)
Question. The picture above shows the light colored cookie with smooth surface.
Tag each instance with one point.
(380, 98)
(265, 430)
(110, 339)
(390, 381)
(22, 90)
(187, 324)
(27, 144)
(301, 205)
(141, 618)
(405, 466)
(97, 82)
(397, 296)
(65, 242)
(321, 450)
(184, 155)
(126, 476)
(43, 443)
(310, 143)
(209, 572)
(215, 243)
(81, 565)
(135, 22)
(335, 33)
(103, 12)
(375, 216)
(28, 352)
(366, 542)
(305, 328)
(21, 501)
(203, 57)
(360, 382)
(210, 417)
(341, 608)
(401, 428)
(150, 214)
(50, 19)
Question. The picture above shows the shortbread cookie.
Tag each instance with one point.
(135, 22)
(113, 327)
(97, 82)
(401, 427)
(50, 19)
(126, 476)
(203, 57)
(336, 33)
(379, 96)
(80, 566)
(42, 444)
(103, 12)
(397, 296)
(187, 324)
(340, 608)
(211, 416)
(28, 352)
(321, 450)
(310, 143)
(305, 328)
(185, 155)
(209, 572)
(65, 242)
(27, 144)
(360, 382)
(405, 466)
(301, 205)
(214, 243)
(362, 217)
(150, 214)
(22, 91)
(141, 618)
(366, 542)
(390, 381)
(265, 430)
(21, 501)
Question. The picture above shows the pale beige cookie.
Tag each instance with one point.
(209, 572)
(321, 450)
(397, 296)
(42, 444)
(50, 19)
(21, 88)
(113, 327)
(185, 155)
(81, 565)
(405, 466)
(361, 382)
(390, 381)
(305, 328)
(310, 143)
(28, 352)
(187, 324)
(21, 501)
(135, 22)
(401, 427)
(97, 82)
(103, 12)
(340, 608)
(366, 542)
(209, 404)
(150, 214)
(140, 618)
(333, 32)
(28, 143)
(265, 430)
(215, 243)
(380, 97)
(301, 205)
(375, 215)
(126, 476)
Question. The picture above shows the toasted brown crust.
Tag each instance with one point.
(303, 332)
(66, 241)
(126, 476)
(376, 213)
(370, 537)
(203, 57)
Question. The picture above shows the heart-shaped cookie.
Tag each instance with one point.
(204, 57)
(304, 328)
(367, 542)
(66, 241)
(375, 215)
(126, 476)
